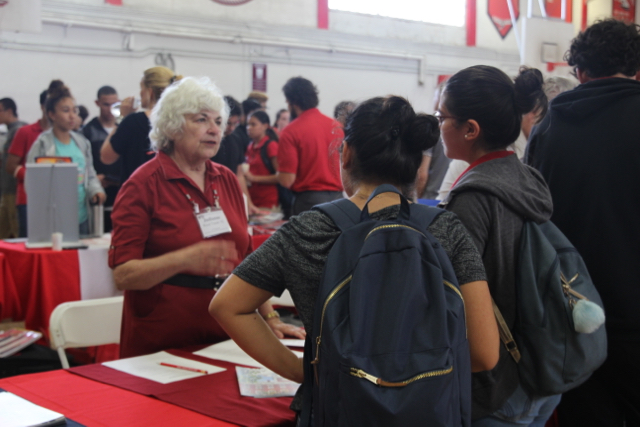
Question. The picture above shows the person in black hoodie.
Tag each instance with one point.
(588, 151)
(480, 114)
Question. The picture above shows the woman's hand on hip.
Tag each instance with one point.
(210, 257)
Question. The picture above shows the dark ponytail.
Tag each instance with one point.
(57, 92)
(388, 138)
(487, 95)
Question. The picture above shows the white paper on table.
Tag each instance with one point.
(292, 342)
(18, 412)
(230, 352)
(261, 382)
(149, 367)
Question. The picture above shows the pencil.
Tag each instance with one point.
(200, 371)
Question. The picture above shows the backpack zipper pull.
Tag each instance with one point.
(317, 359)
(362, 374)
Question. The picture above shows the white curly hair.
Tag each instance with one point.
(189, 95)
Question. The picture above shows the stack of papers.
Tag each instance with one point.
(261, 382)
(18, 412)
(163, 368)
(14, 340)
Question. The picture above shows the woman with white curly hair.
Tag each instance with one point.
(180, 225)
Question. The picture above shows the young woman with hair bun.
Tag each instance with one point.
(480, 114)
(62, 141)
(383, 144)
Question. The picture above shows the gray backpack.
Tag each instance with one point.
(558, 338)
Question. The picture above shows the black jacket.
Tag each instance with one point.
(588, 150)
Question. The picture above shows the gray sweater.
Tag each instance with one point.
(492, 200)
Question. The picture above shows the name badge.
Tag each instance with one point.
(213, 223)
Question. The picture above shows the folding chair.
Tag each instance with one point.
(84, 324)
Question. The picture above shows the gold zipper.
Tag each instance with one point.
(379, 381)
(392, 226)
(324, 309)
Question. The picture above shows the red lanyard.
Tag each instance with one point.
(489, 156)
(196, 207)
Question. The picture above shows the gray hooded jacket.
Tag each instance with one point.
(493, 200)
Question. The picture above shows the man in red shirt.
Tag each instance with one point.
(308, 158)
(20, 146)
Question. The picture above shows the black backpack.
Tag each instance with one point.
(285, 196)
(389, 345)
(552, 285)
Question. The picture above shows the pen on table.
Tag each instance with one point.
(200, 371)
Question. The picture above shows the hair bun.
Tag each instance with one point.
(417, 132)
(529, 94)
(57, 87)
(422, 133)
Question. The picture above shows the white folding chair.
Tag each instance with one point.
(84, 324)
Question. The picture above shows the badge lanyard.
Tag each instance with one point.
(212, 220)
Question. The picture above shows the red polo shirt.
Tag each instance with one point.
(262, 195)
(20, 146)
(309, 148)
(151, 217)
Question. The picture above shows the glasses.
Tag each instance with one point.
(441, 117)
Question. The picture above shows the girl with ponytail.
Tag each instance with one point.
(480, 114)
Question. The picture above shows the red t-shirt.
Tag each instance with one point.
(262, 195)
(20, 146)
(151, 217)
(309, 148)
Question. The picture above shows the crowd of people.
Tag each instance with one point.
(185, 172)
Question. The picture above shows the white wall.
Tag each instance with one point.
(88, 44)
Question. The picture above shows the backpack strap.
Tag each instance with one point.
(304, 418)
(265, 157)
(505, 334)
(423, 215)
(342, 212)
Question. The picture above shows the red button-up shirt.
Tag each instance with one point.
(151, 217)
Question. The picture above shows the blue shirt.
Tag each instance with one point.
(72, 150)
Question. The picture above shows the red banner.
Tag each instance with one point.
(624, 10)
(499, 15)
(259, 77)
(554, 8)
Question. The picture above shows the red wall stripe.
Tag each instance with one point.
(471, 22)
(114, 2)
(323, 14)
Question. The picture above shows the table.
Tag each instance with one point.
(43, 278)
(96, 404)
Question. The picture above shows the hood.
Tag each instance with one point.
(591, 97)
(515, 184)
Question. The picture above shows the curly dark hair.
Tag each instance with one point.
(301, 92)
(606, 48)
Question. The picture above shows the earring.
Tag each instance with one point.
(466, 136)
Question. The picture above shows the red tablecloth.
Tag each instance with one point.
(43, 279)
(10, 307)
(215, 395)
(95, 404)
